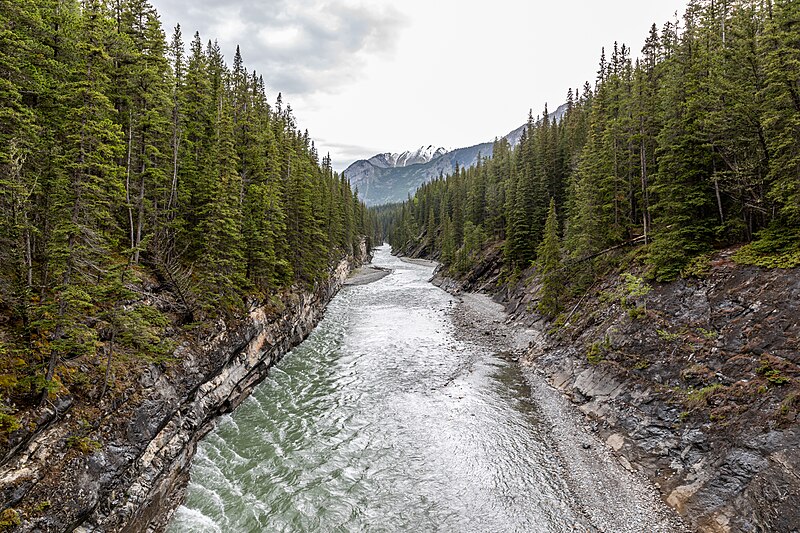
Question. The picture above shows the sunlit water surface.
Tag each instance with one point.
(382, 421)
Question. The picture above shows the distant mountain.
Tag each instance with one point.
(387, 178)
(421, 155)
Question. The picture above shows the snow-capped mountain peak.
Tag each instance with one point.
(423, 154)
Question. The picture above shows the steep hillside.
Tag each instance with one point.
(694, 383)
(122, 463)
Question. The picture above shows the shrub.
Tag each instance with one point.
(700, 397)
(9, 519)
(597, 350)
(775, 248)
(697, 267)
(667, 336)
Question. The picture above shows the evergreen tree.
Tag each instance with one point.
(550, 267)
(683, 212)
(781, 48)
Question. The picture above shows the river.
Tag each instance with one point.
(384, 419)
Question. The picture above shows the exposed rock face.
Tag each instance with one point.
(696, 384)
(682, 393)
(137, 478)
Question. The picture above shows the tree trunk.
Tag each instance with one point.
(108, 365)
(140, 216)
(128, 180)
(645, 193)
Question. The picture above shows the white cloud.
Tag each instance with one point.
(383, 75)
(300, 47)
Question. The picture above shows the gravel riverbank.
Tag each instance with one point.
(366, 274)
(609, 496)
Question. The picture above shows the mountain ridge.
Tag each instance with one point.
(390, 177)
(423, 154)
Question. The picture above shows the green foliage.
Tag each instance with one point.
(8, 423)
(83, 444)
(42, 506)
(772, 375)
(598, 350)
(775, 248)
(781, 120)
(627, 293)
(700, 397)
(550, 267)
(633, 287)
(708, 334)
(667, 336)
(125, 161)
(682, 150)
(776, 378)
(697, 267)
(637, 313)
(141, 329)
(9, 519)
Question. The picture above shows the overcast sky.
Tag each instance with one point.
(388, 75)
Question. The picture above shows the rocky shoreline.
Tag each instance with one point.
(609, 497)
(695, 391)
(135, 478)
(366, 274)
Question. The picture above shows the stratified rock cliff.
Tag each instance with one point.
(132, 474)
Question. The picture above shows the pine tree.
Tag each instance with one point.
(176, 53)
(143, 105)
(83, 196)
(683, 210)
(197, 139)
(782, 104)
(17, 142)
(550, 267)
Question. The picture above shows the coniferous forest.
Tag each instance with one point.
(143, 184)
(690, 147)
(168, 233)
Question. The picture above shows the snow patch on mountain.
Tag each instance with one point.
(423, 154)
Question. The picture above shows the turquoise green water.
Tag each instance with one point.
(381, 421)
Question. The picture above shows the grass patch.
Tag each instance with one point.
(665, 335)
(598, 350)
(700, 397)
(775, 248)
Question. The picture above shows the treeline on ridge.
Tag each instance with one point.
(691, 147)
(126, 162)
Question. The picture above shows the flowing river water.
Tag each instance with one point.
(384, 419)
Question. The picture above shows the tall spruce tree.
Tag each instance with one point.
(550, 266)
